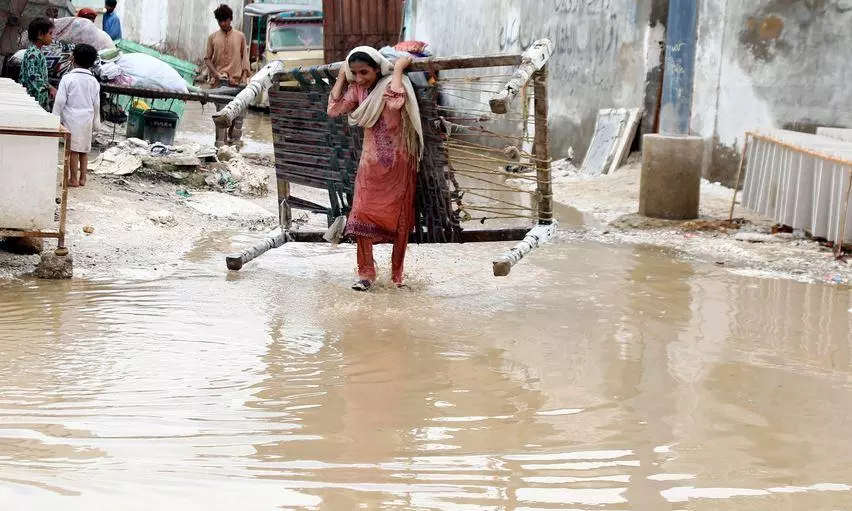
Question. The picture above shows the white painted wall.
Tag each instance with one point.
(176, 27)
(769, 64)
(604, 50)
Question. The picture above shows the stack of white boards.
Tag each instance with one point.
(28, 164)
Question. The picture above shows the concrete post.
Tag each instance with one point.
(671, 177)
(681, 36)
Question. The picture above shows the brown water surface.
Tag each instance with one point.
(594, 378)
(196, 125)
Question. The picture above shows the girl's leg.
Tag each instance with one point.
(74, 161)
(400, 245)
(84, 168)
(366, 263)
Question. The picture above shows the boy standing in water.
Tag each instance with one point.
(34, 66)
(227, 60)
(78, 105)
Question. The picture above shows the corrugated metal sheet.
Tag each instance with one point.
(351, 23)
(803, 188)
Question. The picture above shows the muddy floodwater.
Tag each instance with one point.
(196, 125)
(594, 378)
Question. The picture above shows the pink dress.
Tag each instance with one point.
(383, 208)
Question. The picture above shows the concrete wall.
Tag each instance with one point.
(607, 51)
(176, 27)
(769, 63)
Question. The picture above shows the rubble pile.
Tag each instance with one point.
(191, 165)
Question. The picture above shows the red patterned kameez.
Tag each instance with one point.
(383, 207)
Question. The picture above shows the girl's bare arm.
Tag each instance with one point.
(340, 85)
(398, 70)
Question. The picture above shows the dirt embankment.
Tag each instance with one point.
(144, 226)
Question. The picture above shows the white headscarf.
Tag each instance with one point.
(369, 112)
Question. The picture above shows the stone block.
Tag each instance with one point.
(55, 267)
(671, 177)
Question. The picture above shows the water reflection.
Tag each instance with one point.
(594, 378)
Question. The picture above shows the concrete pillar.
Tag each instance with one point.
(671, 177)
(678, 77)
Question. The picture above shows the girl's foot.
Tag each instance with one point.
(73, 184)
(362, 285)
(82, 180)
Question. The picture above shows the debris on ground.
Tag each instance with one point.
(751, 244)
(233, 209)
(89, 229)
(251, 179)
(755, 237)
(163, 217)
(192, 165)
(708, 225)
(226, 153)
(116, 162)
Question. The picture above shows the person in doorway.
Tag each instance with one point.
(112, 23)
(34, 74)
(228, 63)
(379, 98)
(78, 105)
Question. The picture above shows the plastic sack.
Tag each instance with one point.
(150, 73)
(123, 80)
(108, 71)
(110, 54)
(81, 31)
(18, 58)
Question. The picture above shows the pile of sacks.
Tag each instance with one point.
(126, 69)
(139, 70)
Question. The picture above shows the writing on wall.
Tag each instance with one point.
(674, 64)
(586, 35)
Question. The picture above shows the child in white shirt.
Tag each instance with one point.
(78, 105)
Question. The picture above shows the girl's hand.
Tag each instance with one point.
(341, 84)
(402, 63)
